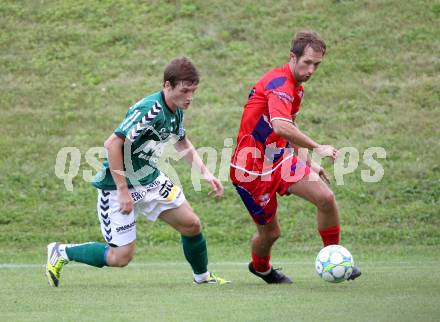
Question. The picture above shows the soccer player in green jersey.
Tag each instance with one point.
(130, 183)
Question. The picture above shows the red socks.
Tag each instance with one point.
(330, 235)
(260, 264)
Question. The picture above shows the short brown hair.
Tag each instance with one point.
(180, 70)
(306, 38)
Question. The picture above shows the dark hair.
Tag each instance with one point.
(180, 70)
(304, 39)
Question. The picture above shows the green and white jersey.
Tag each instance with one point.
(146, 128)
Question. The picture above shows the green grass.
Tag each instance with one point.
(70, 69)
(392, 288)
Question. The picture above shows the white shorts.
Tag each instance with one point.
(151, 200)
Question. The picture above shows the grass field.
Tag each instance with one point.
(70, 69)
(393, 288)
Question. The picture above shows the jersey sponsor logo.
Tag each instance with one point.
(264, 199)
(125, 228)
(136, 196)
(152, 185)
(164, 133)
(151, 151)
(284, 96)
(168, 190)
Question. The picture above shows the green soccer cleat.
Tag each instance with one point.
(213, 279)
(55, 264)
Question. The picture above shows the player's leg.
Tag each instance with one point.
(318, 193)
(58, 255)
(120, 256)
(262, 242)
(183, 219)
(118, 229)
(187, 223)
(261, 202)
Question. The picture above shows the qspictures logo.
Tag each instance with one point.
(350, 161)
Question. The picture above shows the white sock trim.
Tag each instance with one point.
(201, 277)
(62, 250)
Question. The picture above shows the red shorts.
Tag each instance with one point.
(258, 193)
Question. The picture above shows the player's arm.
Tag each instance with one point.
(306, 157)
(114, 146)
(292, 134)
(279, 104)
(191, 156)
(309, 161)
(297, 138)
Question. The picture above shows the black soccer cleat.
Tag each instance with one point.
(355, 273)
(275, 276)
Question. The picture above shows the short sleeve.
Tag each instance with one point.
(280, 106)
(137, 121)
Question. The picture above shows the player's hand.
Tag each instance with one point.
(327, 151)
(125, 202)
(216, 185)
(324, 176)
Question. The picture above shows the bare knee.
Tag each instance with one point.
(123, 261)
(271, 235)
(327, 201)
(191, 228)
(120, 256)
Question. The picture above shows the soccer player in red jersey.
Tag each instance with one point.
(263, 163)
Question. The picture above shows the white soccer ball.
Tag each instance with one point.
(334, 264)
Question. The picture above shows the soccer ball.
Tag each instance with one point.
(334, 264)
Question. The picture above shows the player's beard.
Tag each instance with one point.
(301, 79)
(304, 78)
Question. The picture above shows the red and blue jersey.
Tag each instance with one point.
(259, 150)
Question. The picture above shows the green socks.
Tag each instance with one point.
(93, 254)
(196, 254)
